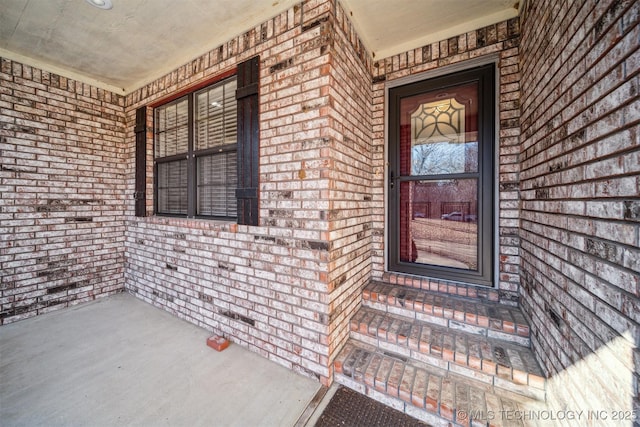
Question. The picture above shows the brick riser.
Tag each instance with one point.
(480, 293)
(424, 392)
(488, 319)
(490, 361)
(435, 356)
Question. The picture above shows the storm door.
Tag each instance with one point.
(441, 177)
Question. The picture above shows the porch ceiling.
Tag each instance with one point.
(137, 41)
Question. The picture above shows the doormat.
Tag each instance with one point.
(350, 408)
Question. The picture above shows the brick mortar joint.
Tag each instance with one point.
(384, 62)
(135, 97)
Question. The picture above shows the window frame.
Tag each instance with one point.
(192, 155)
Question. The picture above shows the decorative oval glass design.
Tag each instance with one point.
(443, 131)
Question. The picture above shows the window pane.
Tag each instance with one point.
(216, 181)
(215, 116)
(439, 223)
(230, 113)
(439, 131)
(172, 187)
(172, 129)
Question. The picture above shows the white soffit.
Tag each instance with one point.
(389, 27)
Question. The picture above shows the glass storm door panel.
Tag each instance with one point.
(441, 177)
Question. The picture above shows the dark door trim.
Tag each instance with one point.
(484, 275)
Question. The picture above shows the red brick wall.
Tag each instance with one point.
(501, 39)
(265, 287)
(350, 190)
(61, 192)
(287, 288)
(580, 208)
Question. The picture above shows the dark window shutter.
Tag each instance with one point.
(141, 161)
(248, 141)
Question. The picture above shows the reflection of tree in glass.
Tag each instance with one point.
(436, 158)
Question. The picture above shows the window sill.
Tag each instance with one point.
(193, 223)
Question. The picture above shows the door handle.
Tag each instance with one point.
(391, 179)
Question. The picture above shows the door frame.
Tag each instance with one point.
(440, 72)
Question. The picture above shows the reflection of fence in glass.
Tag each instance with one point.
(444, 197)
(422, 210)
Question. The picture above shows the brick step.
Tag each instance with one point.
(433, 395)
(488, 360)
(470, 315)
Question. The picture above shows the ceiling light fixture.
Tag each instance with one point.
(102, 4)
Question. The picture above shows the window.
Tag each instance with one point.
(441, 177)
(198, 140)
(195, 152)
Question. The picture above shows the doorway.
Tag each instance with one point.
(441, 177)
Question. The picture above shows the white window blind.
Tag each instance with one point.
(217, 181)
(216, 116)
(172, 129)
(172, 187)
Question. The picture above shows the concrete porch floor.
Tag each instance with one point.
(119, 361)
